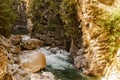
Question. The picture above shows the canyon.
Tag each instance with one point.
(87, 29)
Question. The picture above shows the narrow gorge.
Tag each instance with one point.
(60, 40)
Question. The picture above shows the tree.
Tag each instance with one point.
(7, 16)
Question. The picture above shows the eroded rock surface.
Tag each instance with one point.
(17, 64)
(31, 44)
(113, 71)
(15, 39)
(94, 58)
(3, 62)
(43, 76)
(4, 46)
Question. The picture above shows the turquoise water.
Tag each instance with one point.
(67, 74)
(61, 65)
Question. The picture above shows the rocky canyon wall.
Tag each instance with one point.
(96, 58)
(55, 22)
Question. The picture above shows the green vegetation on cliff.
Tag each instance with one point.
(111, 23)
(55, 14)
(45, 14)
(69, 17)
(7, 16)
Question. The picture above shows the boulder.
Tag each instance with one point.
(31, 44)
(32, 61)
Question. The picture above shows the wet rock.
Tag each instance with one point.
(25, 37)
(48, 74)
(32, 61)
(78, 62)
(73, 49)
(54, 50)
(31, 44)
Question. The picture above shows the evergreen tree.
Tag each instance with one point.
(48, 14)
(7, 16)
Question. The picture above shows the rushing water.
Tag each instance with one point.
(61, 65)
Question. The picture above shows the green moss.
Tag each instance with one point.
(111, 23)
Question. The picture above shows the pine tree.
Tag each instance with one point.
(7, 16)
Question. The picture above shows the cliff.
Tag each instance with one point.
(99, 20)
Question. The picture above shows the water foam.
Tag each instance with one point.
(57, 60)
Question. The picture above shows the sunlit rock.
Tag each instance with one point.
(3, 62)
(94, 59)
(5, 42)
(32, 61)
(15, 39)
(113, 71)
(18, 76)
(4, 46)
(31, 44)
(16, 49)
(43, 76)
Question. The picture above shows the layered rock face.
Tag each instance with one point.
(94, 60)
(18, 64)
(113, 71)
(5, 48)
(3, 62)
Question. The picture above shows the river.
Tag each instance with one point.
(61, 65)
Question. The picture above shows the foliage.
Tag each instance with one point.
(7, 16)
(111, 22)
(69, 17)
(52, 14)
(45, 15)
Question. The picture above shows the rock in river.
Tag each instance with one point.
(31, 44)
(32, 61)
